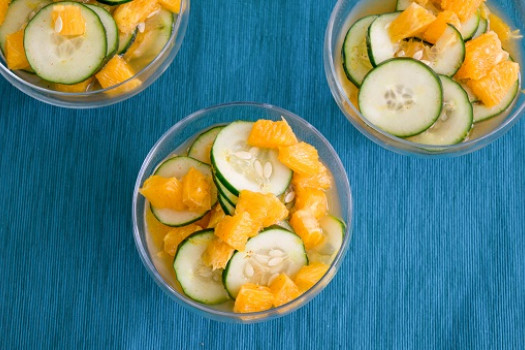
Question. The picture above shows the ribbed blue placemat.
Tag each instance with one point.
(438, 254)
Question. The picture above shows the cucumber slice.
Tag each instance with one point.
(126, 40)
(111, 29)
(469, 28)
(62, 60)
(449, 52)
(471, 97)
(481, 112)
(356, 62)
(455, 121)
(334, 230)
(226, 206)
(198, 281)
(18, 14)
(113, 2)
(236, 163)
(178, 167)
(482, 27)
(402, 96)
(380, 47)
(225, 193)
(200, 148)
(271, 252)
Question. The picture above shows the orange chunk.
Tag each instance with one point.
(493, 88)
(320, 180)
(501, 28)
(302, 158)
(264, 208)
(411, 22)
(284, 290)
(463, 8)
(15, 52)
(312, 199)
(306, 226)
(253, 298)
(176, 235)
(115, 72)
(129, 15)
(309, 275)
(235, 230)
(438, 27)
(4, 4)
(67, 20)
(171, 5)
(270, 134)
(481, 54)
(163, 192)
(75, 88)
(217, 214)
(217, 254)
(196, 191)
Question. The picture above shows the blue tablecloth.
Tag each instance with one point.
(437, 258)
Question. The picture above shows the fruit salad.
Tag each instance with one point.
(432, 71)
(81, 46)
(246, 217)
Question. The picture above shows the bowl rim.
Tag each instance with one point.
(184, 7)
(228, 316)
(409, 147)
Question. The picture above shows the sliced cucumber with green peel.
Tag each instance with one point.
(449, 52)
(18, 14)
(271, 252)
(334, 231)
(455, 121)
(482, 27)
(380, 46)
(401, 96)
(226, 206)
(225, 193)
(111, 29)
(482, 112)
(239, 166)
(178, 167)
(198, 281)
(65, 60)
(126, 40)
(200, 148)
(469, 28)
(113, 2)
(356, 62)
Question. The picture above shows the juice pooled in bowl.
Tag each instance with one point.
(246, 219)
(435, 72)
(81, 46)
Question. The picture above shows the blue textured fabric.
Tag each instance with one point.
(438, 254)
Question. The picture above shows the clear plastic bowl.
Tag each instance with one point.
(343, 16)
(187, 129)
(105, 97)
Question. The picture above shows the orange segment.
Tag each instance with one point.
(302, 158)
(320, 180)
(493, 88)
(76, 88)
(481, 54)
(264, 208)
(130, 14)
(411, 22)
(463, 8)
(306, 226)
(501, 28)
(4, 4)
(309, 275)
(235, 230)
(163, 192)
(115, 72)
(176, 235)
(217, 254)
(312, 199)
(67, 20)
(253, 298)
(196, 191)
(284, 290)
(217, 214)
(171, 5)
(270, 134)
(437, 28)
(15, 52)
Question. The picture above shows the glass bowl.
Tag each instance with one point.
(345, 13)
(109, 96)
(186, 130)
